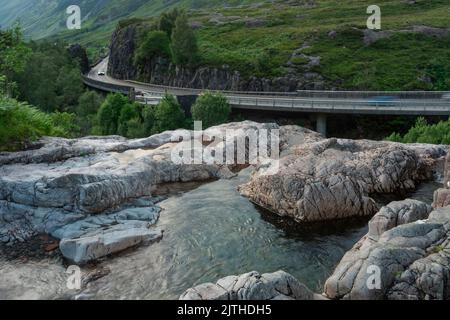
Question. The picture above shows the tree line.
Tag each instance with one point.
(119, 115)
(42, 94)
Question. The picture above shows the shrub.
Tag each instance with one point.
(65, 124)
(422, 132)
(135, 128)
(211, 109)
(21, 124)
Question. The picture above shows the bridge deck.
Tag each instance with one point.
(422, 103)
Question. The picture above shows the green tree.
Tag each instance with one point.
(149, 120)
(168, 114)
(69, 87)
(109, 113)
(14, 54)
(86, 110)
(155, 43)
(88, 103)
(167, 21)
(212, 109)
(129, 112)
(184, 43)
(51, 79)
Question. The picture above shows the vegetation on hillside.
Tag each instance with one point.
(21, 124)
(422, 132)
(153, 44)
(184, 43)
(260, 41)
(41, 92)
(258, 37)
(171, 37)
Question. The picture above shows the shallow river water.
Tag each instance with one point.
(212, 232)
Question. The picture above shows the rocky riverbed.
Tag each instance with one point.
(96, 196)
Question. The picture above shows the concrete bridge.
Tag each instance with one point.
(320, 103)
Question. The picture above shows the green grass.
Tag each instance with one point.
(388, 64)
(396, 63)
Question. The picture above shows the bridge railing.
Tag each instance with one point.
(314, 104)
(330, 104)
(105, 86)
(327, 94)
(369, 94)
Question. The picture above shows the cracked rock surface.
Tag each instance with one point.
(411, 253)
(324, 179)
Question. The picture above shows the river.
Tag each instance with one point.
(212, 231)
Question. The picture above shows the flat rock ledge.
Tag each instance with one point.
(405, 255)
(325, 179)
(251, 286)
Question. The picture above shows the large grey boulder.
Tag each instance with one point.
(251, 286)
(408, 261)
(107, 241)
(325, 179)
(98, 236)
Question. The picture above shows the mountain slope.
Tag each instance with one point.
(42, 18)
(314, 43)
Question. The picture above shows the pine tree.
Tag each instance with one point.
(184, 43)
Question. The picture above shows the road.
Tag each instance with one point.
(151, 94)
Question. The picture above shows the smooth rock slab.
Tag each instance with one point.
(131, 217)
(251, 286)
(113, 240)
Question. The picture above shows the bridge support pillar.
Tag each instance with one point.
(321, 124)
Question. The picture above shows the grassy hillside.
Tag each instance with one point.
(44, 18)
(258, 38)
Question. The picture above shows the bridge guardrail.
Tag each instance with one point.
(339, 104)
(368, 94)
(313, 93)
(107, 86)
(283, 103)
